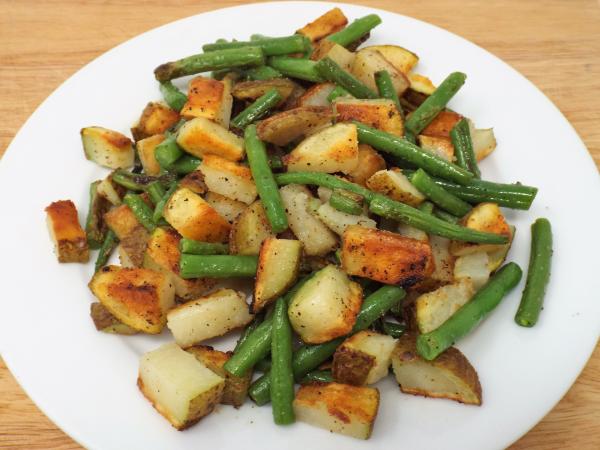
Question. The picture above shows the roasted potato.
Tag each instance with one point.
(317, 239)
(339, 408)
(227, 178)
(497, 257)
(110, 190)
(209, 316)
(249, 230)
(317, 95)
(420, 84)
(201, 137)
(443, 273)
(484, 141)
(156, 119)
(369, 61)
(227, 208)
(385, 257)
(340, 55)
(278, 264)
(363, 358)
(442, 124)
(139, 298)
(380, 113)
(395, 185)
(194, 218)
(434, 308)
(369, 162)
(326, 306)
(70, 241)
(450, 375)
(194, 181)
(107, 148)
(338, 221)
(403, 60)
(330, 22)
(412, 232)
(133, 237)
(251, 90)
(104, 321)
(475, 267)
(438, 145)
(236, 388)
(287, 126)
(145, 148)
(209, 98)
(333, 149)
(178, 385)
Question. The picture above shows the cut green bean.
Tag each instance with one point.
(270, 46)
(393, 329)
(265, 182)
(193, 247)
(173, 96)
(124, 179)
(108, 245)
(262, 73)
(355, 31)
(436, 102)
(401, 148)
(445, 216)
(258, 109)
(160, 206)
(217, 266)
(426, 207)
(141, 210)
(167, 152)
(264, 365)
(282, 378)
(430, 345)
(338, 91)
(463, 147)
(344, 203)
(247, 332)
(156, 191)
(386, 89)
(186, 164)
(538, 274)
(320, 376)
(205, 62)
(331, 71)
(302, 69)
(438, 194)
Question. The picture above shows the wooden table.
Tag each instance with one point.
(556, 44)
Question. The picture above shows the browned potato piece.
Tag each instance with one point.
(379, 113)
(368, 61)
(287, 126)
(107, 148)
(226, 207)
(420, 84)
(156, 119)
(249, 230)
(209, 98)
(110, 190)
(316, 95)
(140, 298)
(339, 408)
(450, 375)
(236, 388)
(145, 148)
(330, 22)
(338, 54)
(395, 185)
(385, 257)
(402, 59)
(438, 145)
(227, 178)
(434, 308)
(194, 181)
(132, 235)
(194, 218)
(201, 136)
(70, 242)
(442, 124)
(104, 321)
(485, 217)
(251, 90)
(443, 273)
(369, 162)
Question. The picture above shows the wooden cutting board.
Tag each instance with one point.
(556, 44)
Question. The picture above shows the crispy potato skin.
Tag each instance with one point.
(385, 257)
(145, 148)
(106, 322)
(156, 118)
(369, 162)
(485, 217)
(442, 124)
(330, 22)
(133, 237)
(205, 99)
(69, 238)
(249, 230)
(351, 366)
(287, 126)
(251, 90)
(194, 181)
(380, 113)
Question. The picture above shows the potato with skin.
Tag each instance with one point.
(209, 98)
(395, 185)
(107, 148)
(226, 207)
(442, 124)
(139, 298)
(249, 230)
(132, 235)
(449, 376)
(227, 178)
(194, 218)
(236, 388)
(339, 408)
(70, 241)
(156, 118)
(145, 148)
(363, 358)
(369, 162)
(287, 126)
(380, 113)
(485, 217)
(326, 306)
(107, 323)
(200, 136)
(194, 181)
(443, 273)
(178, 385)
(368, 62)
(385, 257)
(251, 90)
(434, 308)
(330, 22)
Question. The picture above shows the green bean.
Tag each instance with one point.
(303, 69)
(321, 376)
(445, 216)
(95, 229)
(168, 151)
(265, 183)
(538, 274)
(108, 245)
(438, 194)
(258, 109)
(426, 207)
(270, 46)
(282, 378)
(217, 266)
(338, 91)
(160, 206)
(247, 332)
(430, 345)
(262, 73)
(355, 31)
(275, 162)
(186, 164)
(156, 191)
(193, 247)
(324, 180)
(463, 147)
(331, 71)
(376, 305)
(386, 88)
(173, 96)
(393, 329)
(401, 148)
(205, 62)
(142, 212)
(342, 202)
(264, 365)
(436, 102)
(122, 178)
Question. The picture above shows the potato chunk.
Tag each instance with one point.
(339, 408)
(194, 218)
(145, 148)
(287, 126)
(484, 141)
(363, 358)
(402, 59)
(251, 90)
(339, 221)
(443, 273)
(133, 237)
(369, 61)
(209, 98)
(326, 306)
(379, 113)
(333, 149)
(228, 178)
(450, 375)
(249, 230)
(110, 190)
(70, 241)
(317, 239)
(156, 119)
(338, 54)
(107, 148)
(330, 22)
(206, 317)
(201, 136)
(420, 84)
(162, 254)
(278, 265)
(442, 124)
(369, 162)
(140, 298)
(178, 385)
(316, 95)
(104, 321)
(236, 388)
(227, 208)
(434, 308)
(438, 145)
(385, 257)
(475, 266)
(395, 185)
(194, 181)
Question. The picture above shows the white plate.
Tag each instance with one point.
(85, 380)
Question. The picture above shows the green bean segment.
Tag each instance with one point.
(331, 71)
(217, 266)
(173, 96)
(282, 378)
(438, 194)
(302, 69)
(320, 376)
(356, 30)
(141, 210)
(270, 46)
(463, 147)
(344, 203)
(108, 245)
(386, 89)
(193, 247)
(258, 109)
(338, 91)
(168, 152)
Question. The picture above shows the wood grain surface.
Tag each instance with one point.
(556, 44)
